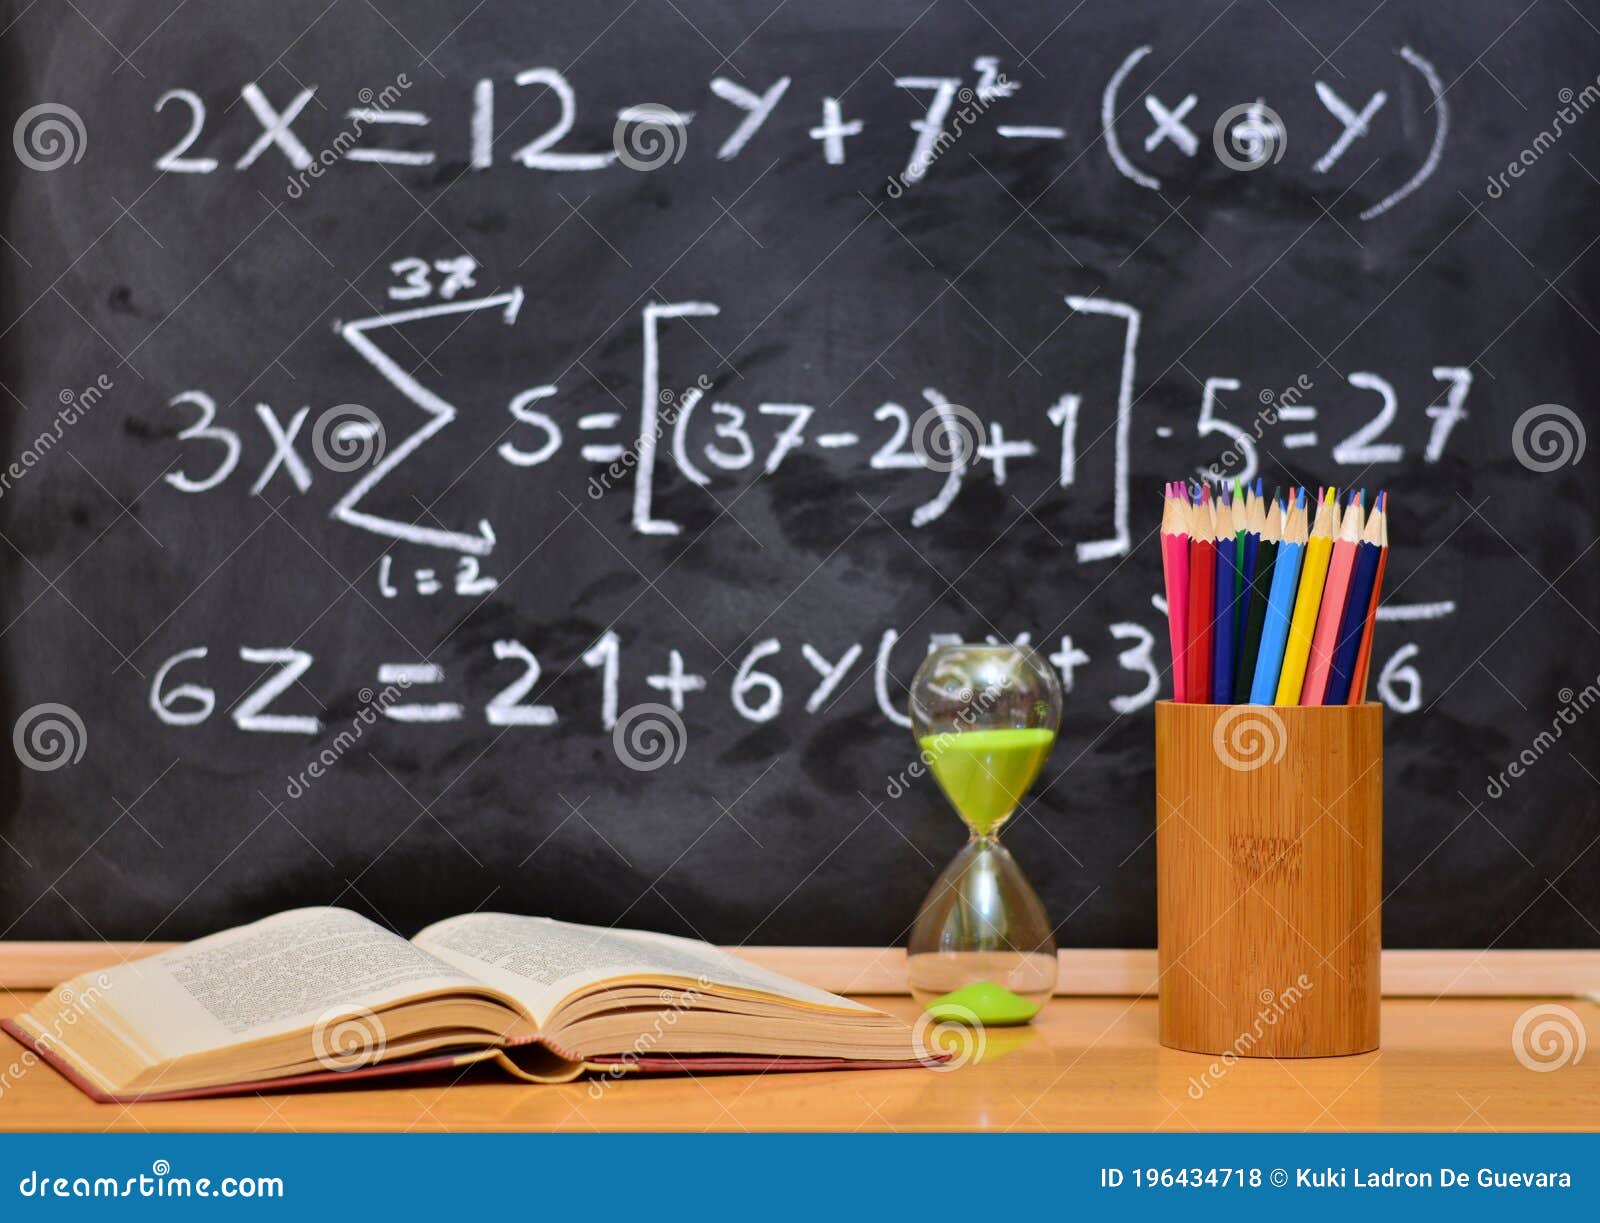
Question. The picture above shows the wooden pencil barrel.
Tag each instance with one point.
(1269, 862)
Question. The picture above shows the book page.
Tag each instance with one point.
(540, 961)
(276, 975)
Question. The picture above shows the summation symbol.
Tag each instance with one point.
(440, 412)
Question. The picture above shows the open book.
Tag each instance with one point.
(317, 994)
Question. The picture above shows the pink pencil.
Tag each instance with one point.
(1334, 593)
(1175, 566)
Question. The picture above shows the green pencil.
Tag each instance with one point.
(1241, 504)
(1254, 614)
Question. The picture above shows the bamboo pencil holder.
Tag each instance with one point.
(1269, 862)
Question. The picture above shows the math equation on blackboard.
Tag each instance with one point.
(939, 443)
(1147, 127)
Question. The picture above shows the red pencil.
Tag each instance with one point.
(1202, 595)
(1175, 568)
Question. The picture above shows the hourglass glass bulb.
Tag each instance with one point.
(985, 719)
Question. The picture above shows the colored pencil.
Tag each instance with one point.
(1255, 520)
(1241, 528)
(1352, 627)
(1308, 599)
(1253, 607)
(1271, 600)
(1227, 599)
(1175, 568)
(1358, 684)
(1202, 590)
(1280, 602)
(1330, 615)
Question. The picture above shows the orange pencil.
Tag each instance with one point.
(1335, 590)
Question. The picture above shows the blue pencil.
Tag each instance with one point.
(1222, 628)
(1280, 604)
(1353, 624)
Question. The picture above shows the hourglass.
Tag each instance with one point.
(985, 719)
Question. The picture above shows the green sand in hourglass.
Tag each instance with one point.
(981, 949)
(985, 773)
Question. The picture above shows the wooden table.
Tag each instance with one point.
(1084, 1064)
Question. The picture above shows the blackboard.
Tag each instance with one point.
(400, 395)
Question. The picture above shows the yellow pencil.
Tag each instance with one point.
(1307, 600)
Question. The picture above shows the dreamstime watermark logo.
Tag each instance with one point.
(1275, 405)
(1275, 1004)
(1573, 105)
(156, 1183)
(937, 135)
(1249, 736)
(1548, 436)
(954, 1038)
(649, 736)
(74, 1000)
(372, 707)
(946, 437)
(48, 136)
(347, 437)
(674, 1003)
(673, 406)
(1573, 705)
(347, 1038)
(49, 736)
(1547, 1037)
(650, 136)
(74, 406)
(1249, 136)
(372, 108)
(937, 745)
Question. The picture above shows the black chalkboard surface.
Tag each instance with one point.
(493, 455)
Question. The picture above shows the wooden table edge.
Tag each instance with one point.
(1085, 972)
